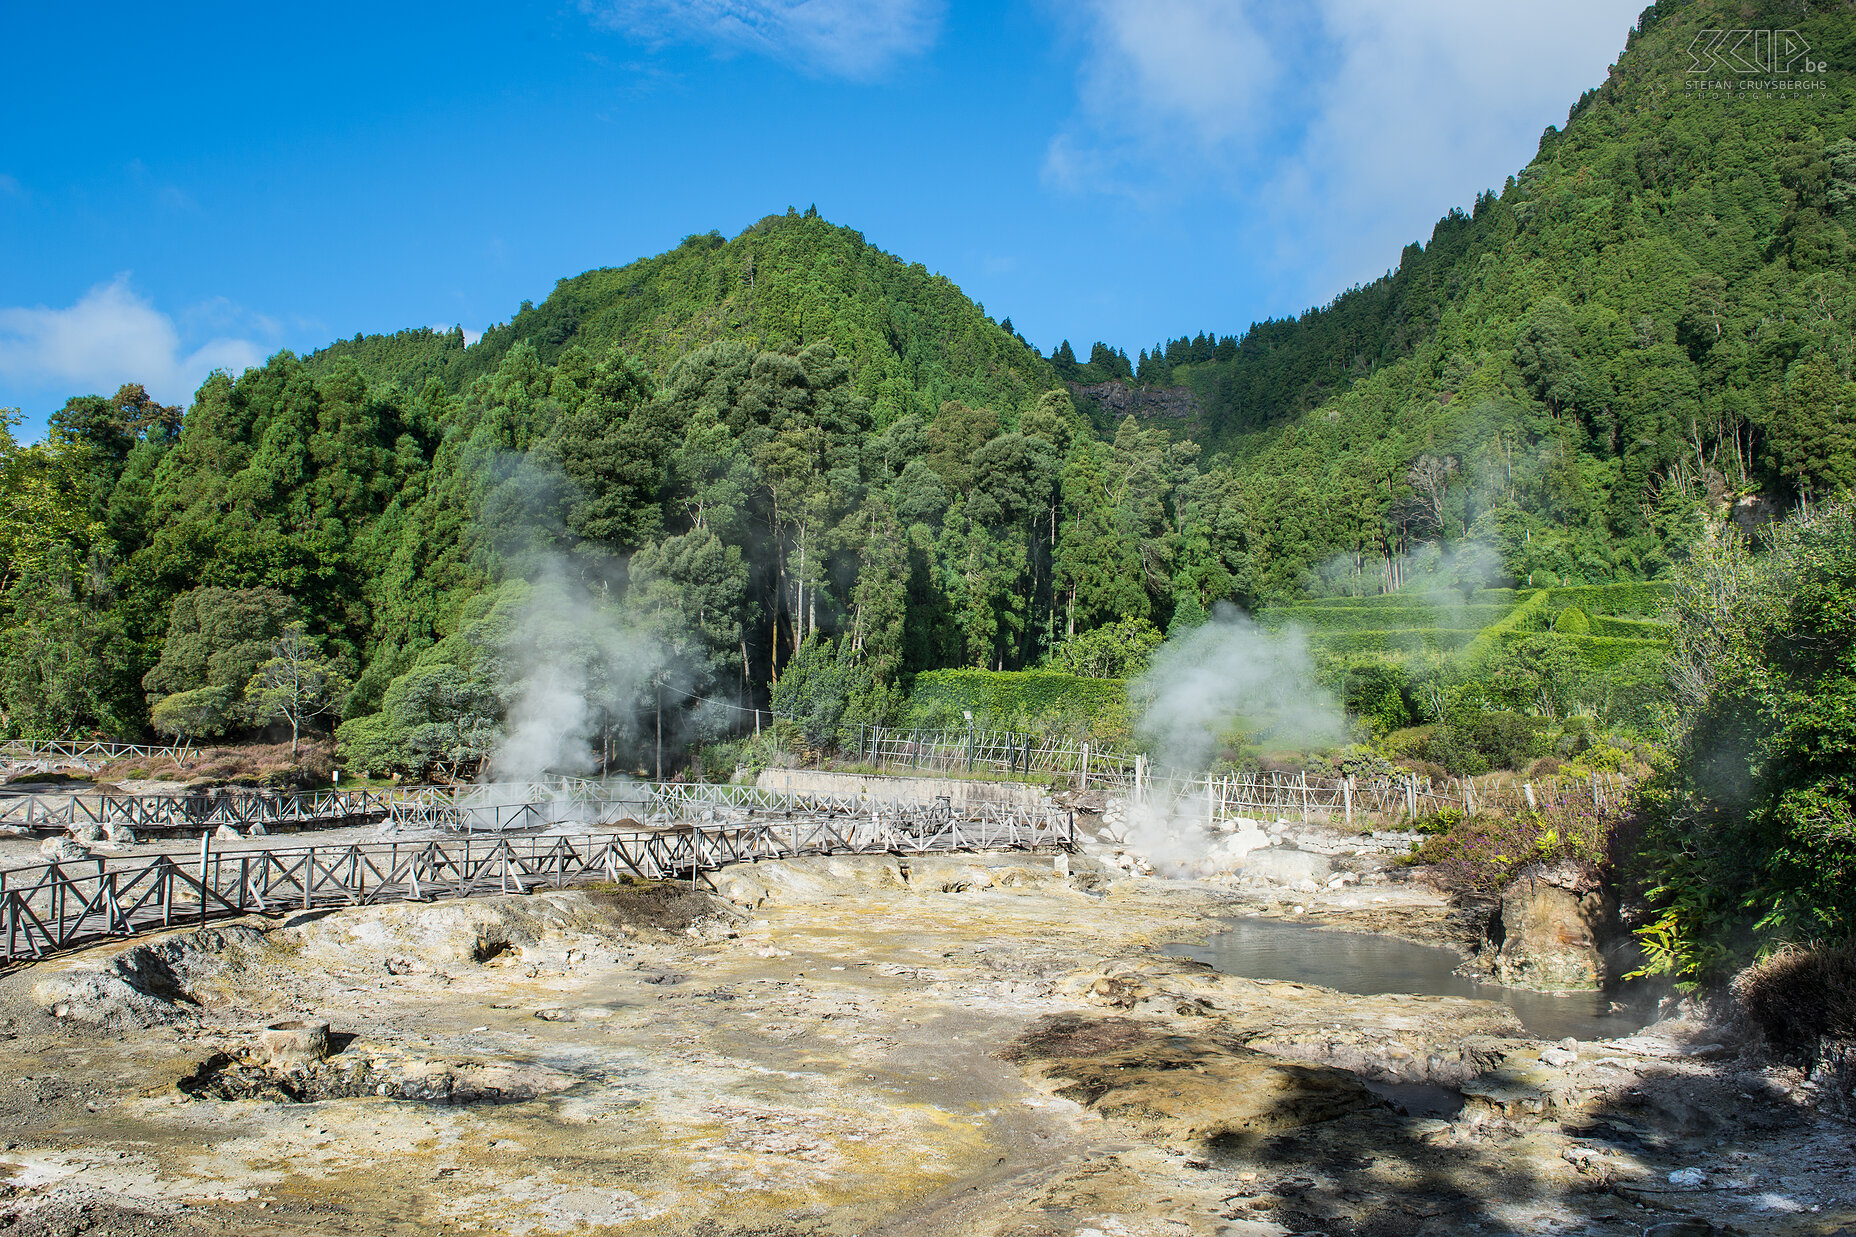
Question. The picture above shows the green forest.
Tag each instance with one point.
(791, 450)
(788, 472)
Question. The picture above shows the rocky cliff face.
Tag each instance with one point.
(1557, 930)
(1115, 400)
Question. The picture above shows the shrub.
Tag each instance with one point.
(1572, 622)
(1751, 837)
(1374, 689)
(1116, 650)
(1482, 853)
(1801, 994)
(1035, 701)
(1471, 743)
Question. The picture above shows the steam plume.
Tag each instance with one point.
(1196, 690)
(585, 677)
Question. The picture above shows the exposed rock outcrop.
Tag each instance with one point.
(1116, 400)
(1554, 930)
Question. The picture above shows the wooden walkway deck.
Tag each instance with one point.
(55, 906)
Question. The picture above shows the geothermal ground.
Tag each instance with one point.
(979, 1045)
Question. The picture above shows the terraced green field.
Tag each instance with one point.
(1609, 623)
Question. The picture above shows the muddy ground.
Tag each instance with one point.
(978, 1045)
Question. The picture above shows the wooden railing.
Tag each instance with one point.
(85, 753)
(995, 751)
(1385, 800)
(54, 906)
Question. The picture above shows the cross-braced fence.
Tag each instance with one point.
(1385, 800)
(995, 751)
(54, 906)
(502, 807)
(80, 753)
(204, 809)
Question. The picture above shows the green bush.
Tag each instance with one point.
(1372, 688)
(1472, 742)
(1750, 835)
(1645, 598)
(1034, 701)
(1384, 618)
(1117, 650)
(1572, 622)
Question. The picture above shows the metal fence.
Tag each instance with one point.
(54, 906)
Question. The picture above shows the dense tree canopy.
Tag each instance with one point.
(790, 448)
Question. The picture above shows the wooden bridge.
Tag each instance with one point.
(54, 906)
(47, 754)
(502, 807)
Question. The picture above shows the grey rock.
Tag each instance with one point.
(63, 850)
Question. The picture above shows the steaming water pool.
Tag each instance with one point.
(1368, 964)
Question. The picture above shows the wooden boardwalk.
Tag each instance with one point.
(54, 906)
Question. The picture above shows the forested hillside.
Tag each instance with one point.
(791, 445)
(1654, 315)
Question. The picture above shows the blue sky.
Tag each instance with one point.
(185, 188)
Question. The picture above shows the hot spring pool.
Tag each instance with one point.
(1369, 964)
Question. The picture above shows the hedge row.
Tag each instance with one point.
(1394, 640)
(1629, 628)
(1530, 614)
(1030, 701)
(1387, 618)
(1634, 597)
(1601, 652)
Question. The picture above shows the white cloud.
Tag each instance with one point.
(1348, 126)
(842, 38)
(112, 336)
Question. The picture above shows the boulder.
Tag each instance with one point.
(63, 850)
(1552, 928)
(87, 831)
(1283, 866)
(226, 833)
(119, 834)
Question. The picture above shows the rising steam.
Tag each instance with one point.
(587, 678)
(1227, 673)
